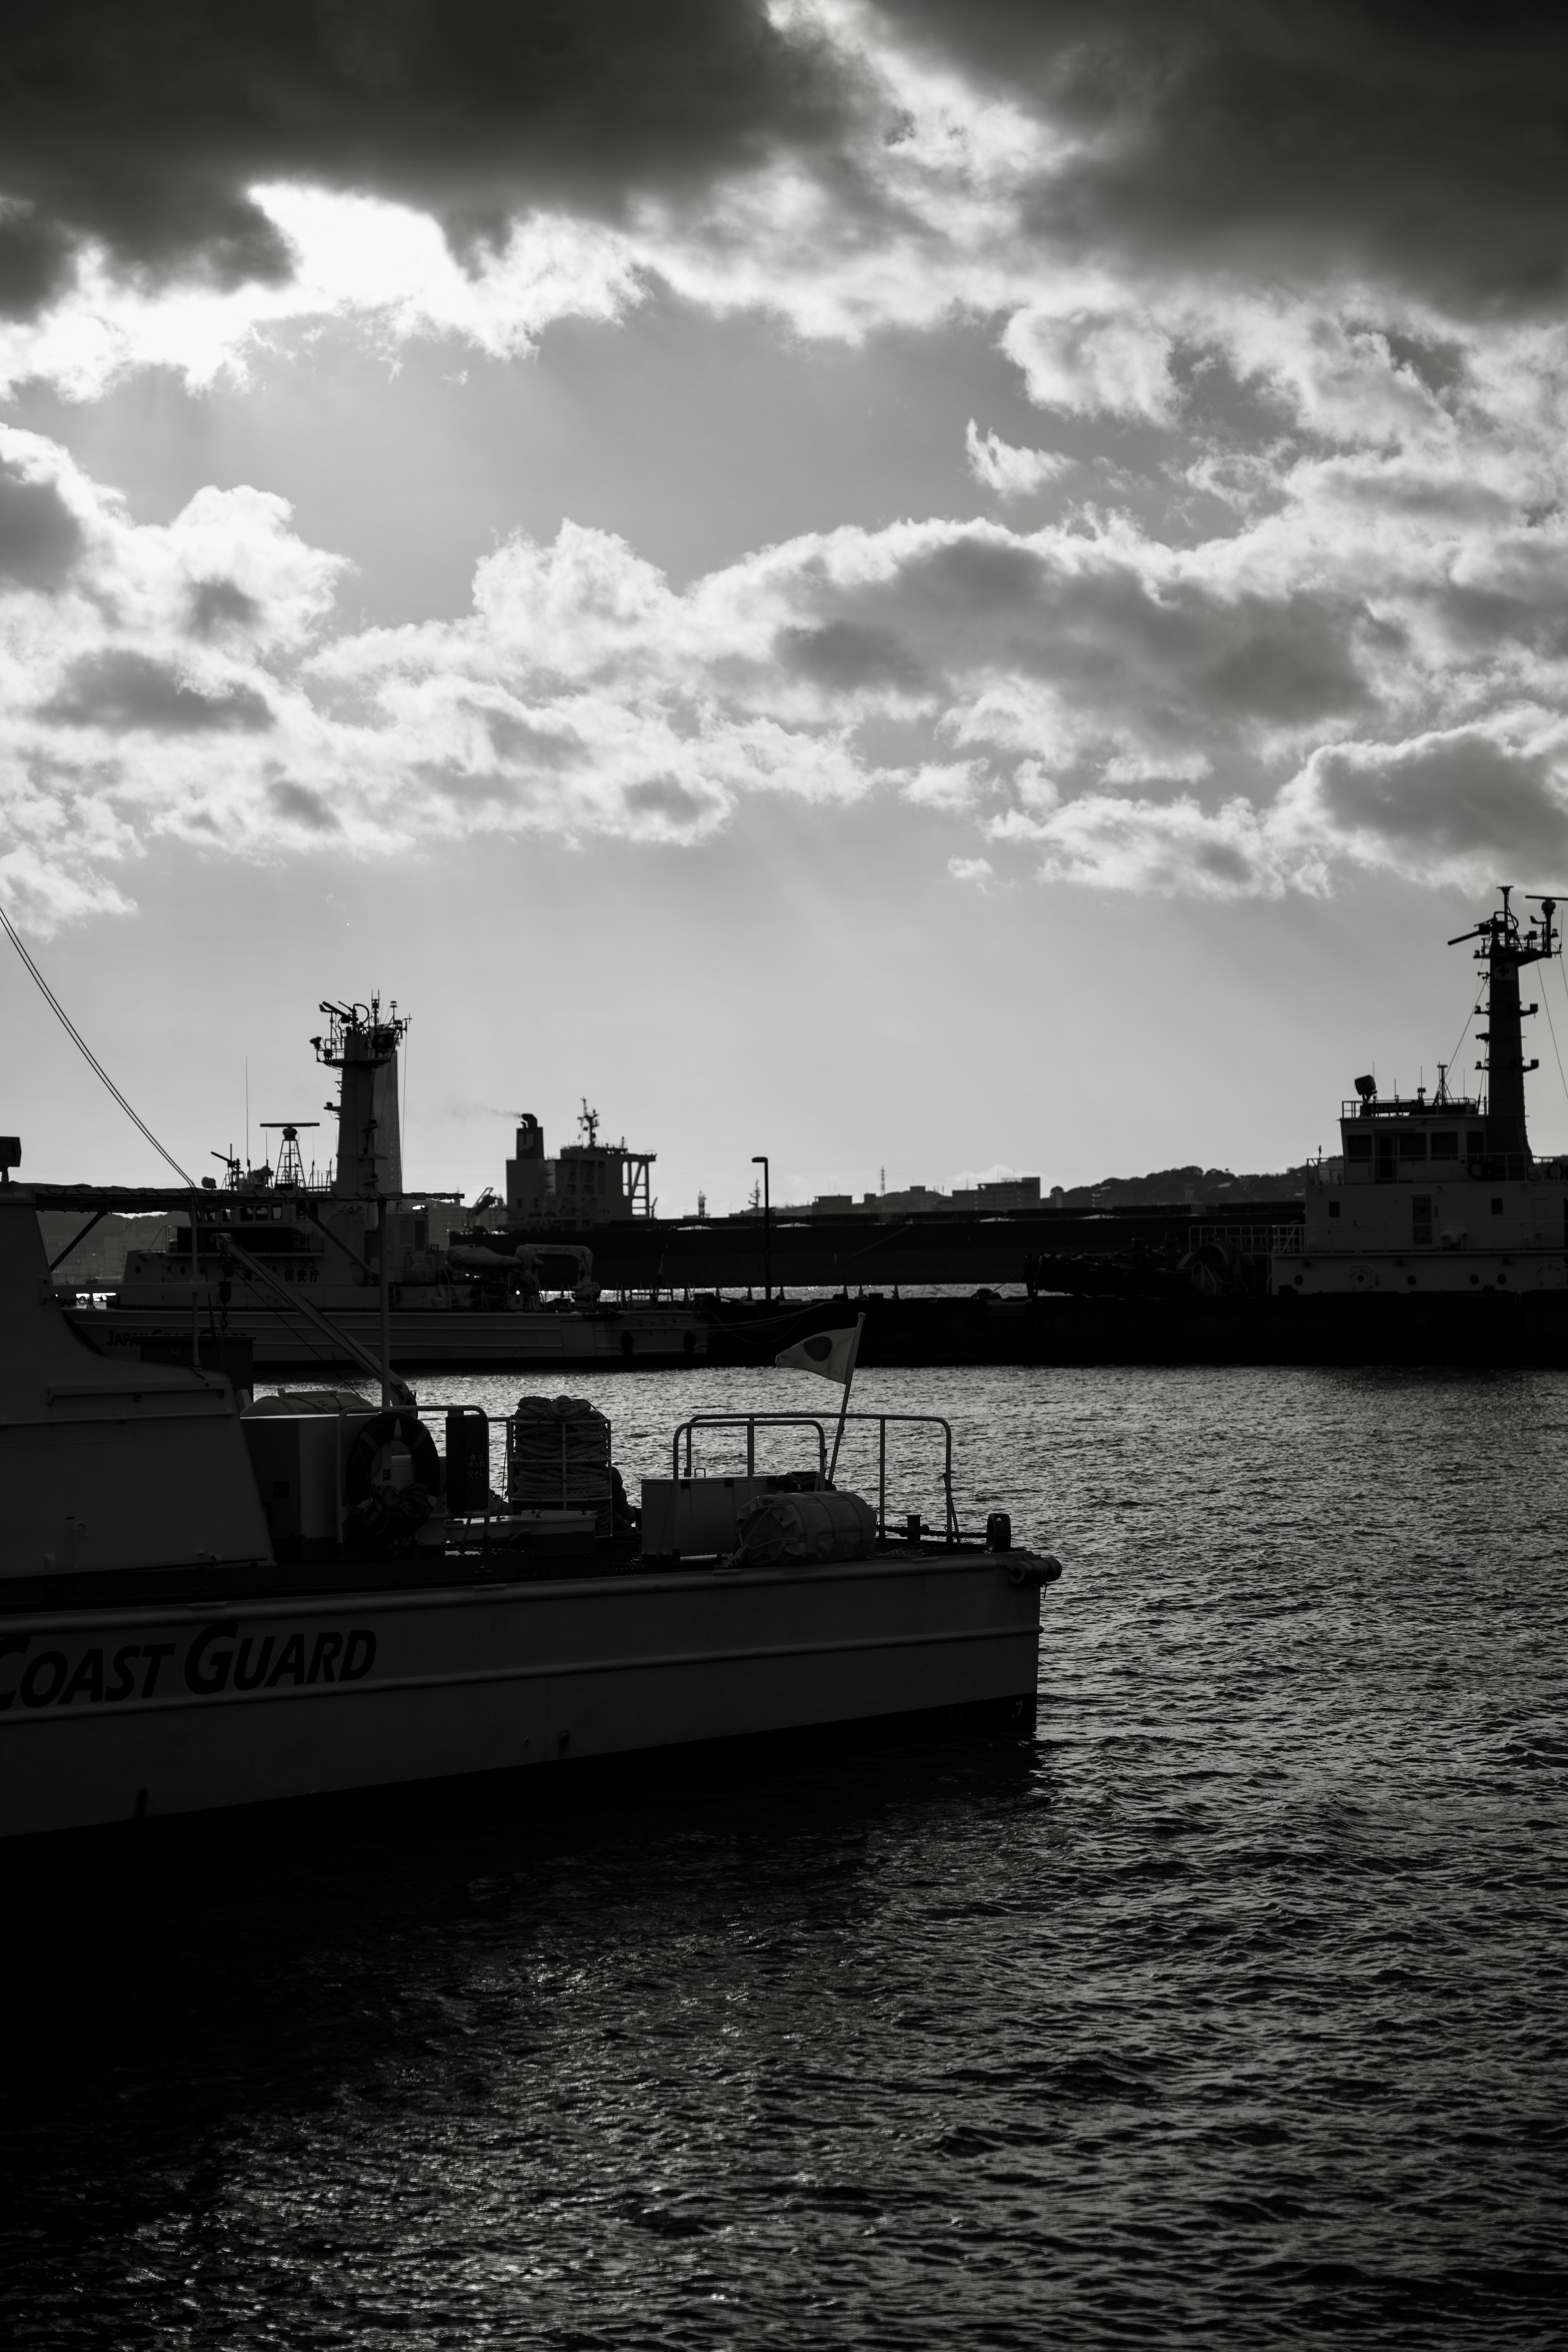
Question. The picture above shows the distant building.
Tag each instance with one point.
(915, 1200)
(1010, 1193)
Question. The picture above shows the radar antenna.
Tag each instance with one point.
(289, 1174)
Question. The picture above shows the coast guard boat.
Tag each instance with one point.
(203, 1606)
(1441, 1193)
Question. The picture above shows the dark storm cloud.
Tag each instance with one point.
(1445, 799)
(40, 539)
(220, 604)
(145, 126)
(1422, 145)
(667, 798)
(844, 655)
(1422, 141)
(517, 743)
(1189, 655)
(122, 690)
(34, 257)
(299, 804)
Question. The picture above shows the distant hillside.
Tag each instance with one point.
(1179, 1184)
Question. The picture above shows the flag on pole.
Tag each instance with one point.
(830, 1354)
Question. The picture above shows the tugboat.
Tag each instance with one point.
(1443, 1194)
(203, 1607)
(268, 1251)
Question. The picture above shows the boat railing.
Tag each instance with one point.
(1247, 1240)
(752, 1422)
(1475, 1168)
(1360, 1106)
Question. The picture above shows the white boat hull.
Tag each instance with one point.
(437, 1336)
(1457, 1273)
(117, 1713)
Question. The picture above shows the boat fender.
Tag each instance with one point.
(805, 1530)
(1038, 1569)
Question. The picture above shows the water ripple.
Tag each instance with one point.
(1231, 2014)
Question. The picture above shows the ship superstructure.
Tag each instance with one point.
(322, 1234)
(257, 1252)
(1442, 1192)
(362, 1044)
(590, 1183)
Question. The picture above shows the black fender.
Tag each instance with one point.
(1033, 1568)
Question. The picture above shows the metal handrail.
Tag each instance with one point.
(1250, 1241)
(750, 1421)
(1482, 1168)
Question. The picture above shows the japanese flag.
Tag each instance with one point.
(830, 1354)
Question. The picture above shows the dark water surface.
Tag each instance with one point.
(1231, 2014)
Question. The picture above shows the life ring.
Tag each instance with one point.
(358, 1464)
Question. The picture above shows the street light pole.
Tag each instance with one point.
(760, 1160)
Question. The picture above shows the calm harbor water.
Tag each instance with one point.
(1231, 2014)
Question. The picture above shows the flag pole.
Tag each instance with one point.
(844, 1408)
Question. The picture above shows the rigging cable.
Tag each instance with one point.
(74, 1033)
(1552, 1025)
(1459, 1041)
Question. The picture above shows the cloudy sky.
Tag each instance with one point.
(955, 585)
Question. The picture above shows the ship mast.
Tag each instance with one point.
(1506, 949)
(362, 1044)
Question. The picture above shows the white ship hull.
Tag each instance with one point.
(118, 1714)
(1411, 1274)
(459, 1339)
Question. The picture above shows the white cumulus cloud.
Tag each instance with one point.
(1366, 668)
(1011, 473)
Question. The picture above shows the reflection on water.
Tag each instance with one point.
(1230, 2014)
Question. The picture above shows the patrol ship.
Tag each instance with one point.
(203, 1607)
(265, 1253)
(1441, 1194)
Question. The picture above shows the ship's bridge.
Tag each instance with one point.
(1385, 1137)
(1391, 1139)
